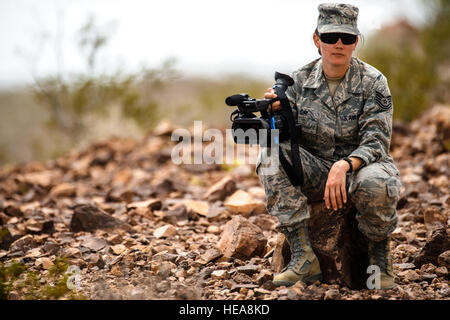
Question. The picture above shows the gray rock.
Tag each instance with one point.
(248, 269)
(95, 244)
(23, 244)
(212, 255)
(50, 247)
(90, 218)
(405, 266)
(237, 287)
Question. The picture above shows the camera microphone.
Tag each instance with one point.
(236, 99)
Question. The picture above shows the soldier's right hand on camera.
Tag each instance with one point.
(270, 94)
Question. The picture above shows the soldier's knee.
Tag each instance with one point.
(377, 191)
(376, 199)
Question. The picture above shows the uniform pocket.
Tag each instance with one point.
(309, 126)
(308, 119)
(390, 168)
(308, 130)
(393, 186)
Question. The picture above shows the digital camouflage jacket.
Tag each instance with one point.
(357, 122)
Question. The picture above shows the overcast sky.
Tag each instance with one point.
(206, 37)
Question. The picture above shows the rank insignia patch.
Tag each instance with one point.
(383, 102)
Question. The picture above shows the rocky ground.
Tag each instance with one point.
(138, 226)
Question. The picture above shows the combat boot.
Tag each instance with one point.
(304, 264)
(380, 255)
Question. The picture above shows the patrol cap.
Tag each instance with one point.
(336, 17)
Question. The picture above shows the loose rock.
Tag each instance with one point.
(165, 231)
(241, 239)
(243, 203)
(91, 218)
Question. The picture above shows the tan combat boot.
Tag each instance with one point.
(304, 265)
(380, 255)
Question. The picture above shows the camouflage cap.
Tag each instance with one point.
(334, 17)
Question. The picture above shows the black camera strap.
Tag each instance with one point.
(294, 171)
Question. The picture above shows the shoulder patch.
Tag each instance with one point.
(383, 102)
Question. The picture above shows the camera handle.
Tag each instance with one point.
(294, 171)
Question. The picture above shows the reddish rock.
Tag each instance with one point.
(221, 189)
(282, 253)
(243, 203)
(437, 243)
(264, 221)
(211, 255)
(264, 276)
(152, 204)
(444, 259)
(434, 217)
(332, 294)
(63, 190)
(241, 239)
(219, 274)
(409, 275)
(198, 207)
(165, 231)
(45, 262)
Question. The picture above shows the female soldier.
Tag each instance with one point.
(345, 111)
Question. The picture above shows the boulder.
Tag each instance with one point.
(338, 244)
(241, 239)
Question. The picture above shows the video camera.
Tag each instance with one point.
(245, 118)
(246, 124)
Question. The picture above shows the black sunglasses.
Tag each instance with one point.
(332, 38)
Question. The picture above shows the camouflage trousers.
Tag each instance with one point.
(373, 189)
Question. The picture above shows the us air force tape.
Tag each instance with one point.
(383, 102)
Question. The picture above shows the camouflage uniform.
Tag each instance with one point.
(357, 122)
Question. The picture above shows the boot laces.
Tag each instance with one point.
(296, 250)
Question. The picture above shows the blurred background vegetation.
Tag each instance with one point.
(65, 111)
(415, 61)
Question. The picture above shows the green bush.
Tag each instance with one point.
(17, 277)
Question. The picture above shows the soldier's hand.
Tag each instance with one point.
(270, 94)
(335, 192)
